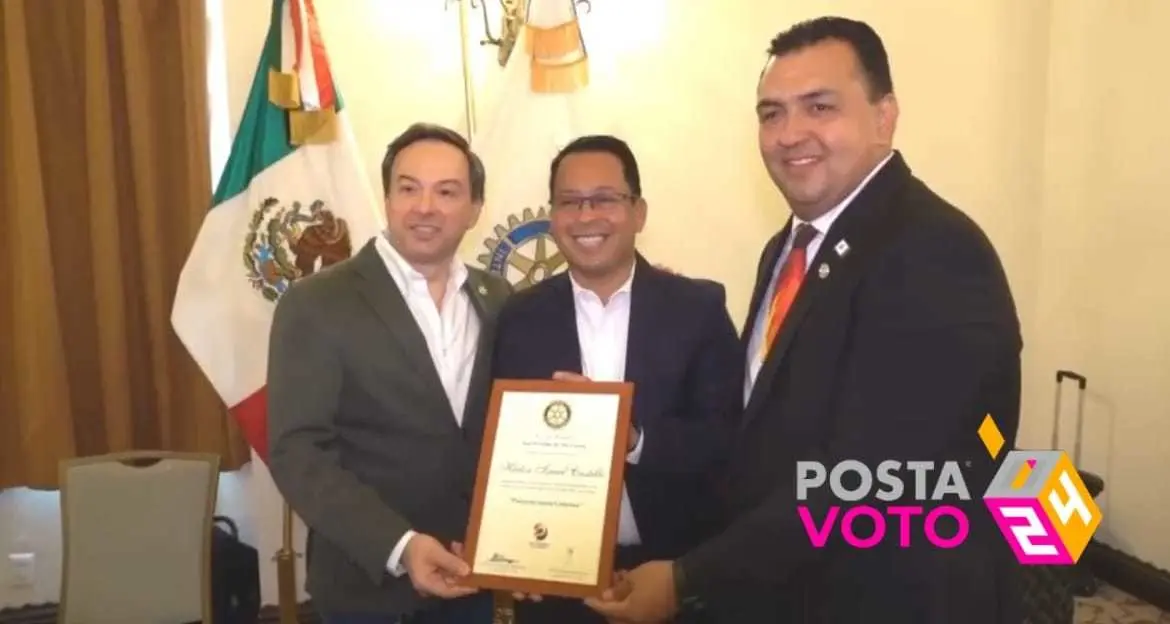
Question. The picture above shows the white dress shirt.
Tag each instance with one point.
(602, 330)
(452, 336)
(755, 353)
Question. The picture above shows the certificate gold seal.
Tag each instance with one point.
(557, 414)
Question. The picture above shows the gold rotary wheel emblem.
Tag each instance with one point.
(522, 250)
(557, 414)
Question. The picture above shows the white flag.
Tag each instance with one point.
(539, 107)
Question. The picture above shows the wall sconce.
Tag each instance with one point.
(513, 14)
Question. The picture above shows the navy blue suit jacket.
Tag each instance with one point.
(685, 361)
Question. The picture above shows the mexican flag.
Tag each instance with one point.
(293, 198)
(539, 109)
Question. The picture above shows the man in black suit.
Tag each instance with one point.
(614, 317)
(893, 334)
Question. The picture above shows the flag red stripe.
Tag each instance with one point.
(294, 12)
(325, 90)
(252, 416)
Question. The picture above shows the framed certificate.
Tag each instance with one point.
(548, 489)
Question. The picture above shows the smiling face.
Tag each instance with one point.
(429, 206)
(820, 131)
(595, 218)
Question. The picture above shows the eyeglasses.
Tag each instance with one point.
(604, 202)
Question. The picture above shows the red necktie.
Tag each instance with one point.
(788, 283)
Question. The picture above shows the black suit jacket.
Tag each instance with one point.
(898, 352)
(684, 360)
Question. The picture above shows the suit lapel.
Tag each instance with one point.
(863, 226)
(763, 280)
(641, 331)
(561, 339)
(483, 301)
(816, 282)
(477, 293)
(382, 294)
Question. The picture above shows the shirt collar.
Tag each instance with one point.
(822, 223)
(581, 291)
(407, 276)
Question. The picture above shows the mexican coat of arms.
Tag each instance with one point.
(288, 242)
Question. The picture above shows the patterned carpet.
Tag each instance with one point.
(1109, 606)
(1113, 606)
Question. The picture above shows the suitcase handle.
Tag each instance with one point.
(1082, 383)
(1061, 375)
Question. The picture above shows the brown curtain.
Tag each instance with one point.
(104, 180)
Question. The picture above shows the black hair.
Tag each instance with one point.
(603, 143)
(866, 44)
(434, 132)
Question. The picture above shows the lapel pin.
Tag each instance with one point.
(823, 271)
(482, 290)
(841, 248)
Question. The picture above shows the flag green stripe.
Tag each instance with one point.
(263, 137)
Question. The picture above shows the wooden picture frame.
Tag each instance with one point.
(624, 392)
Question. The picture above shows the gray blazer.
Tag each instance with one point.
(362, 440)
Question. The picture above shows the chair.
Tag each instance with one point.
(136, 535)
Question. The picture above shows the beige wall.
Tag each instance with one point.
(1040, 119)
(1104, 304)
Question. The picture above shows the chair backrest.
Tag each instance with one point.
(136, 537)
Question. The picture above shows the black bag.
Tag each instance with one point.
(235, 575)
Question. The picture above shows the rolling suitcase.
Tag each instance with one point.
(1049, 591)
(1081, 579)
(1094, 483)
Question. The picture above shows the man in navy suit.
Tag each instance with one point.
(615, 317)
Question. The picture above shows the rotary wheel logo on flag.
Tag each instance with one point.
(285, 244)
(522, 250)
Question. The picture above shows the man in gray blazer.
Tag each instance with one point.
(378, 382)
